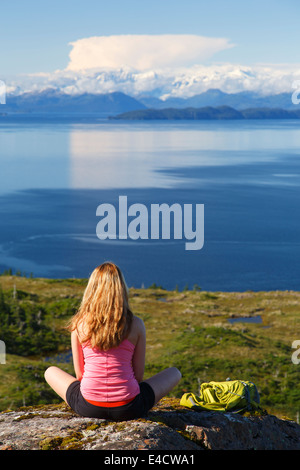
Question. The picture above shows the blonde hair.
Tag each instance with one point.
(104, 317)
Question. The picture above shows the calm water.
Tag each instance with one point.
(247, 175)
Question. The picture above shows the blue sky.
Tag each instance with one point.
(35, 35)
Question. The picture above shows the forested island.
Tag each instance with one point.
(207, 113)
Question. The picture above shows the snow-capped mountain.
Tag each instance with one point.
(117, 91)
(165, 83)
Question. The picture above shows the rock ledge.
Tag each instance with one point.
(167, 427)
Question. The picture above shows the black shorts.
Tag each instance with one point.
(137, 408)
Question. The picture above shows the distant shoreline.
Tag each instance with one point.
(206, 113)
(9, 278)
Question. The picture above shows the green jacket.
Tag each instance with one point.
(231, 395)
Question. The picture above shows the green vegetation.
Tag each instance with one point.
(26, 325)
(188, 329)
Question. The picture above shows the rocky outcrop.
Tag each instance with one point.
(167, 427)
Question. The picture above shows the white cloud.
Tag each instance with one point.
(160, 65)
(143, 52)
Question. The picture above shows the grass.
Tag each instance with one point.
(187, 329)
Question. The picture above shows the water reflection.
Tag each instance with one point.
(103, 159)
(139, 155)
(156, 155)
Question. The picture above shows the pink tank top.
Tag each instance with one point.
(108, 375)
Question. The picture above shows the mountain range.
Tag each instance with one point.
(109, 104)
(52, 101)
(216, 97)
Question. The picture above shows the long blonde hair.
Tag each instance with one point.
(104, 317)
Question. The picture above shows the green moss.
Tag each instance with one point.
(26, 416)
(170, 403)
(258, 412)
(120, 426)
(71, 442)
(50, 443)
(92, 427)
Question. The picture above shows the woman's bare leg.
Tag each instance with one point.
(59, 380)
(163, 382)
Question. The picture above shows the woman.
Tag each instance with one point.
(108, 347)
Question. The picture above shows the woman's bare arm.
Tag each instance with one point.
(138, 360)
(78, 360)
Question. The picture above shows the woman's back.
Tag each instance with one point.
(108, 348)
(108, 375)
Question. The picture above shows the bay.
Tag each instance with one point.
(54, 174)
